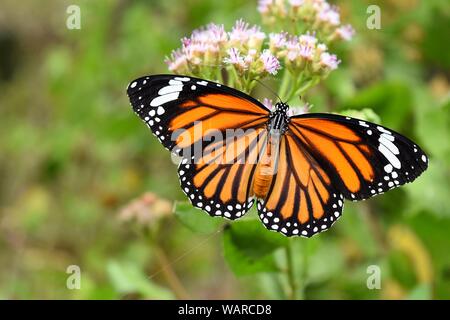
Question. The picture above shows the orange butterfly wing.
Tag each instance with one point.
(325, 158)
(187, 114)
(220, 182)
(184, 111)
(362, 158)
(302, 199)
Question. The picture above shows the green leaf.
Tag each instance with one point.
(430, 191)
(248, 247)
(325, 262)
(128, 278)
(436, 45)
(354, 226)
(195, 219)
(433, 128)
(401, 268)
(341, 84)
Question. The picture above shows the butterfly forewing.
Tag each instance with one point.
(363, 159)
(217, 130)
(182, 111)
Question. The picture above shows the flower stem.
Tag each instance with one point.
(169, 273)
(284, 84)
(167, 270)
(291, 271)
(305, 265)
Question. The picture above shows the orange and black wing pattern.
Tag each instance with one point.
(363, 159)
(325, 158)
(184, 111)
(302, 199)
(191, 117)
(220, 182)
(320, 159)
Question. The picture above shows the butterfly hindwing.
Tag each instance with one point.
(220, 182)
(302, 199)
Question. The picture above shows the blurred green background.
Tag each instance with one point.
(73, 156)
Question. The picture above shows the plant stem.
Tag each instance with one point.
(165, 265)
(291, 271)
(171, 277)
(284, 84)
(305, 262)
(375, 227)
(300, 89)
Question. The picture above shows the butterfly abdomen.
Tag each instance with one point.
(262, 180)
(267, 167)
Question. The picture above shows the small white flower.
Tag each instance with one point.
(306, 52)
(264, 6)
(297, 110)
(308, 40)
(234, 58)
(329, 60)
(329, 14)
(296, 3)
(270, 62)
(177, 61)
(345, 32)
(277, 40)
(268, 103)
(322, 47)
(242, 35)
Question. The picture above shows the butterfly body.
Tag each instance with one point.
(298, 169)
(267, 165)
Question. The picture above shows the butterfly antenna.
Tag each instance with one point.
(270, 89)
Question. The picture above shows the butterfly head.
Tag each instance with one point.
(281, 107)
(279, 117)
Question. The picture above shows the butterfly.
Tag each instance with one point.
(297, 169)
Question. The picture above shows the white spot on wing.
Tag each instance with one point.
(160, 110)
(182, 78)
(362, 123)
(393, 160)
(385, 139)
(175, 82)
(381, 129)
(170, 89)
(164, 99)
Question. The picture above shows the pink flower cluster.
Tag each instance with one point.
(203, 47)
(302, 52)
(301, 32)
(306, 15)
(212, 46)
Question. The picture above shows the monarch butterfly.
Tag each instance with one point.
(298, 169)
